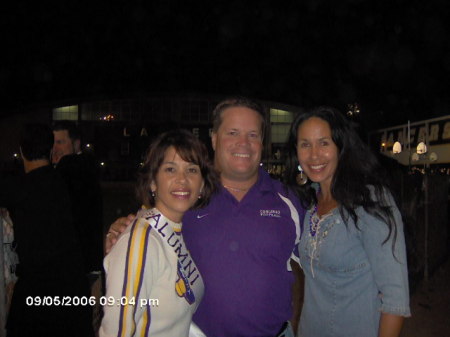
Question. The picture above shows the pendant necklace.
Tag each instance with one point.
(313, 221)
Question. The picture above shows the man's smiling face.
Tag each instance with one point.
(238, 144)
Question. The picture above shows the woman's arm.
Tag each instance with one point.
(390, 325)
(389, 269)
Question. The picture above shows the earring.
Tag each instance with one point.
(153, 194)
(301, 177)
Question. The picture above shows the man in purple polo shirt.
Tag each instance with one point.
(243, 241)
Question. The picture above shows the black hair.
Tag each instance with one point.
(359, 179)
(36, 141)
(190, 149)
(70, 126)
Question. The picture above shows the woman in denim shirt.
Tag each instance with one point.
(352, 250)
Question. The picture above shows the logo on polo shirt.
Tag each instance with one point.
(274, 213)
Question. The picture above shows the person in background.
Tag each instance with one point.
(80, 172)
(50, 273)
(243, 241)
(353, 249)
(10, 258)
(150, 261)
(67, 140)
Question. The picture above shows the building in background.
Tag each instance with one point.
(118, 131)
(433, 133)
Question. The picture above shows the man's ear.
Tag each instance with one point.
(76, 146)
(213, 140)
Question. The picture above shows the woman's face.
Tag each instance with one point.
(317, 153)
(177, 185)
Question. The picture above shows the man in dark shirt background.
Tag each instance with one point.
(80, 172)
(50, 270)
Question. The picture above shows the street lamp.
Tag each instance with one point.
(421, 148)
(397, 148)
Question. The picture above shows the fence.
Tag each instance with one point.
(424, 205)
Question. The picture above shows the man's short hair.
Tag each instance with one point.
(237, 101)
(36, 141)
(71, 127)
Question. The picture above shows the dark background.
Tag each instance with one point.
(391, 57)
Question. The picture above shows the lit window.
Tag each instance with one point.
(281, 116)
(66, 113)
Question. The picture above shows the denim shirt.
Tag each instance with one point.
(350, 276)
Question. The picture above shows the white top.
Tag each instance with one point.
(151, 279)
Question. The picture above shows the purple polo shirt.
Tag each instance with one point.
(242, 250)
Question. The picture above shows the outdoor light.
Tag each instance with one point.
(421, 148)
(433, 156)
(397, 147)
(107, 118)
(353, 109)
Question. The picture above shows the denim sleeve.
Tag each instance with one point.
(389, 267)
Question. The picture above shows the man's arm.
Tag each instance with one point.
(115, 229)
(297, 295)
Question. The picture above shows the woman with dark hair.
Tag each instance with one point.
(153, 286)
(352, 250)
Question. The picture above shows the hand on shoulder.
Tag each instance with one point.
(116, 229)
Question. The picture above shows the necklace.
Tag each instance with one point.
(235, 189)
(313, 221)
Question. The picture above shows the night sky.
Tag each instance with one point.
(392, 57)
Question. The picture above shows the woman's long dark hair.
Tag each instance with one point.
(359, 179)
